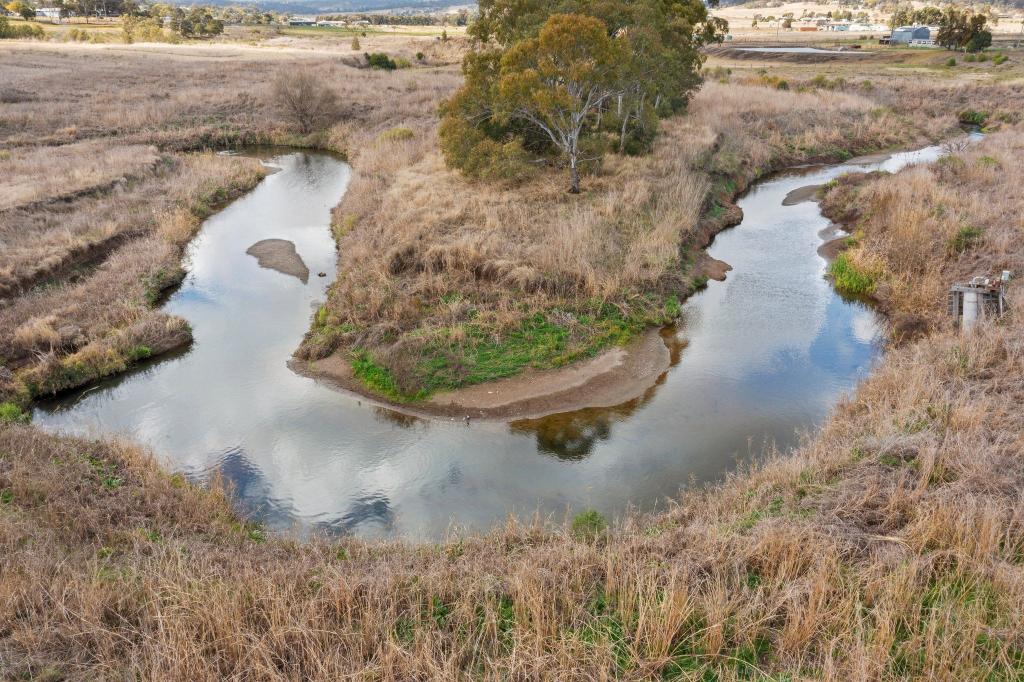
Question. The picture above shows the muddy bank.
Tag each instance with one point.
(801, 194)
(611, 378)
(280, 255)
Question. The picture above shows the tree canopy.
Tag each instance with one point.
(564, 81)
(963, 30)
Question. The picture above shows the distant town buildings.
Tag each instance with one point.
(921, 36)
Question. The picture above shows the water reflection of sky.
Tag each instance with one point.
(756, 357)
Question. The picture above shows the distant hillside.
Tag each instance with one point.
(321, 6)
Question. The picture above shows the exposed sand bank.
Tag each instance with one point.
(280, 255)
(611, 378)
(801, 194)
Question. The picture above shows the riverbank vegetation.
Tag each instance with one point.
(443, 277)
(933, 225)
(93, 226)
(888, 546)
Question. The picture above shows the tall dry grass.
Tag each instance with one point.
(936, 224)
(414, 236)
(93, 229)
(888, 547)
(40, 174)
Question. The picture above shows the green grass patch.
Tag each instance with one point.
(12, 414)
(379, 378)
(398, 134)
(972, 117)
(474, 352)
(851, 279)
(965, 238)
(588, 525)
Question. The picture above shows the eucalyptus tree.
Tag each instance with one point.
(543, 78)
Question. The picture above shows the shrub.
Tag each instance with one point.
(972, 117)
(379, 60)
(12, 414)
(304, 100)
(420, 56)
(588, 525)
(480, 157)
(951, 62)
(8, 30)
(398, 134)
(1000, 59)
(964, 239)
(355, 43)
(979, 41)
(970, 58)
(851, 279)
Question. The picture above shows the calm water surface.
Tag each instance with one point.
(800, 50)
(756, 358)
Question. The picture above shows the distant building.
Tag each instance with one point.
(905, 35)
(49, 12)
(302, 21)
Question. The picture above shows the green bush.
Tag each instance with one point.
(951, 62)
(964, 239)
(12, 414)
(398, 134)
(972, 117)
(480, 157)
(850, 279)
(379, 60)
(588, 525)
(1000, 59)
(979, 41)
(8, 30)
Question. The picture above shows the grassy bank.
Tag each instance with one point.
(918, 232)
(446, 282)
(890, 545)
(104, 183)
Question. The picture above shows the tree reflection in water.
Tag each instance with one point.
(571, 436)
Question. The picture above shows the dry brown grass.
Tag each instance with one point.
(51, 173)
(414, 237)
(888, 548)
(91, 230)
(936, 224)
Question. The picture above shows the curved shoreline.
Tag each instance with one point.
(614, 376)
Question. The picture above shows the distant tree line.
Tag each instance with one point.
(19, 30)
(460, 18)
(959, 29)
(568, 85)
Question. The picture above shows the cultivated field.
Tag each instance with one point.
(888, 546)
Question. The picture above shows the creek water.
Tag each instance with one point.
(799, 50)
(755, 359)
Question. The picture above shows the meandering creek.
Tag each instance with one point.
(755, 359)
